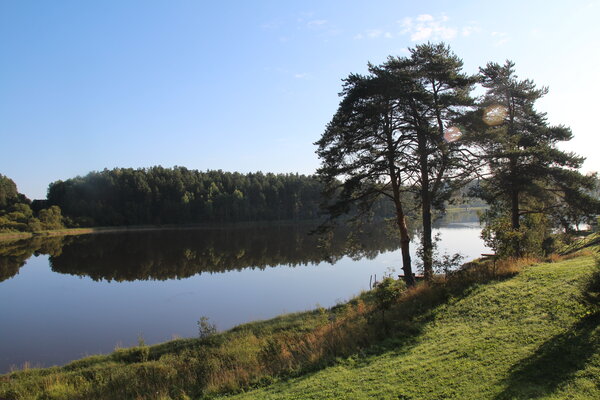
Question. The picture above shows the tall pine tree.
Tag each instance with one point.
(528, 174)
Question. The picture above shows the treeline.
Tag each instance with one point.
(157, 195)
(18, 213)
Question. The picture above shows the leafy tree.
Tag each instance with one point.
(8, 192)
(528, 174)
(51, 218)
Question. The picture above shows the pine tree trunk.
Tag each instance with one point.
(427, 242)
(427, 238)
(409, 278)
(514, 206)
(404, 236)
(514, 200)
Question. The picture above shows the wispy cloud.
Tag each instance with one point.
(374, 34)
(316, 23)
(302, 75)
(420, 28)
(500, 38)
(428, 27)
(469, 30)
(271, 25)
(306, 23)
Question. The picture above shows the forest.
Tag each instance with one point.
(157, 195)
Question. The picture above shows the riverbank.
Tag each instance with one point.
(437, 341)
(12, 236)
(452, 214)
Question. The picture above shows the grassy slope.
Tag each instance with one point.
(526, 337)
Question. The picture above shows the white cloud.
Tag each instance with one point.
(423, 27)
(302, 75)
(427, 27)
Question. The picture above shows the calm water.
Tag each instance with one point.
(65, 298)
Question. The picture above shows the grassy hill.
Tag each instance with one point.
(485, 333)
(529, 337)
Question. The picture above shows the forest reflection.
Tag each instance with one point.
(181, 253)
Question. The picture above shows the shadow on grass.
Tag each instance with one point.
(554, 362)
(404, 321)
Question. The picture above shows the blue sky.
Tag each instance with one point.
(247, 86)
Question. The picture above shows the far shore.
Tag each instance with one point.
(13, 236)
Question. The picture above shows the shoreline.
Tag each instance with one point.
(14, 236)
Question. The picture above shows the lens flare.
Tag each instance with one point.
(452, 134)
(495, 115)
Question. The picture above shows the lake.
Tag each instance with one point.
(63, 298)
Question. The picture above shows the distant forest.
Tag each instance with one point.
(157, 195)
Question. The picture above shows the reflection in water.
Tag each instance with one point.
(13, 255)
(161, 255)
(181, 253)
(110, 288)
(177, 254)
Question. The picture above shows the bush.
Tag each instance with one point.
(532, 239)
(205, 328)
(387, 293)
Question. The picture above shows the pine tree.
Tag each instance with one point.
(394, 133)
(528, 173)
(365, 146)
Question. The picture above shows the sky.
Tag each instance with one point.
(250, 86)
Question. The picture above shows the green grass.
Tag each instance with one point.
(528, 337)
(477, 335)
(591, 240)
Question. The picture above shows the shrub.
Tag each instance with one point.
(205, 328)
(387, 292)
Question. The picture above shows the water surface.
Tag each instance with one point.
(65, 298)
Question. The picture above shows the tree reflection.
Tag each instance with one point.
(13, 255)
(177, 254)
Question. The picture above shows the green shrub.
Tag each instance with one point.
(205, 328)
